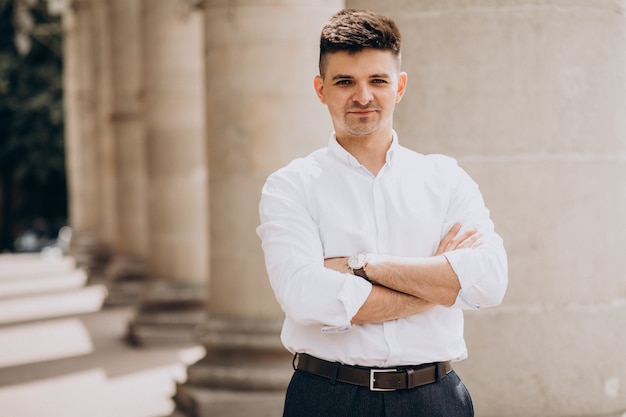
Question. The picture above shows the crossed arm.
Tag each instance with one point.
(406, 286)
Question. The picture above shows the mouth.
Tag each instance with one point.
(362, 112)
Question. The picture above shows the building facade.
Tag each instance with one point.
(177, 110)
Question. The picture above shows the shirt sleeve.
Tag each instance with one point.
(482, 271)
(307, 292)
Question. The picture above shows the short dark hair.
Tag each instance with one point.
(353, 30)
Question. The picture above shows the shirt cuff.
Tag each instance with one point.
(352, 295)
(464, 303)
(460, 261)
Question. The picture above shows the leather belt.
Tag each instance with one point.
(376, 379)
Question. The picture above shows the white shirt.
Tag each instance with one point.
(328, 205)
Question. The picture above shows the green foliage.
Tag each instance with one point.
(32, 167)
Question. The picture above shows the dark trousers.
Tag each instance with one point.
(313, 396)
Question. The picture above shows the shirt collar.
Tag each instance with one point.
(347, 159)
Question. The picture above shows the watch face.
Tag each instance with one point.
(357, 261)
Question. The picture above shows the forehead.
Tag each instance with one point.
(362, 63)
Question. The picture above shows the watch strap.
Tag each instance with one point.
(361, 273)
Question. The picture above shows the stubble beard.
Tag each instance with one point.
(362, 126)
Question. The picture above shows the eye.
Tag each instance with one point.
(379, 81)
(343, 82)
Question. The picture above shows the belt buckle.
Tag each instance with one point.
(373, 373)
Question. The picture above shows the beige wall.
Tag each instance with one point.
(530, 97)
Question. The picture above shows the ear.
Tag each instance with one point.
(402, 80)
(318, 84)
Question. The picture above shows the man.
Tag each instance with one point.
(373, 250)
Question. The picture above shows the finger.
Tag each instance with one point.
(471, 242)
(467, 234)
(448, 238)
(459, 239)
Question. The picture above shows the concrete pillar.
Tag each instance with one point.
(530, 96)
(176, 163)
(262, 112)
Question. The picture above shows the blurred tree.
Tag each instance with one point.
(32, 161)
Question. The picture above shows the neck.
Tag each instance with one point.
(370, 151)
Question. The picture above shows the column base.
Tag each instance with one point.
(245, 368)
(205, 402)
(90, 254)
(125, 279)
(168, 313)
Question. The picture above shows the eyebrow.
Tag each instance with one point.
(344, 77)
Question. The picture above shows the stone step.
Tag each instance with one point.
(79, 301)
(43, 340)
(38, 284)
(93, 392)
(146, 334)
(13, 266)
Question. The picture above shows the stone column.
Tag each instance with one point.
(175, 129)
(126, 273)
(79, 115)
(129, 128)
(105, 143)
(176, 163)
(104, 133)
(262, 112)
(74, 37)
(530, 96)
(83, 72)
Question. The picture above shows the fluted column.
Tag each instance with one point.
(177, 174)
(530, 96)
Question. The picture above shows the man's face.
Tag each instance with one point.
(361, 91)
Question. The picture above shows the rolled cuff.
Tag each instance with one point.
(459, 261)
(352, 296)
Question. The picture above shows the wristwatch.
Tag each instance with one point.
(357, 264)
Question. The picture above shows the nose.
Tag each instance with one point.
(362, 95)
